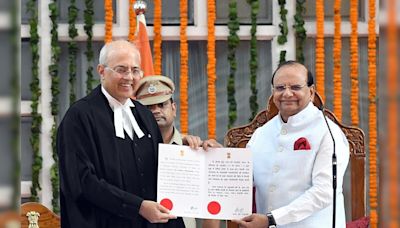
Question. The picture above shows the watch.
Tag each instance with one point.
(271, 220)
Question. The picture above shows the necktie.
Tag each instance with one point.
(127, 124)
(131, 122)
(124, 120)
(123, 117)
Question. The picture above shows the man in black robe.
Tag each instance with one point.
(107, 145)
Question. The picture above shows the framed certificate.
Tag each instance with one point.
(213, 184)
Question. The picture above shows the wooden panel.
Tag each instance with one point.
(230, 224)
(47, 218)
(357, 187)
(7, 218)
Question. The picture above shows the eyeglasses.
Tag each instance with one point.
(136, 72)
(293, 88)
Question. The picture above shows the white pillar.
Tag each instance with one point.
(45, 99)
(200, 13)
(121, 28)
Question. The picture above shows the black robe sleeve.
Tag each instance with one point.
(78, 156)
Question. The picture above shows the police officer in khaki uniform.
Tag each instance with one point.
(156, 93)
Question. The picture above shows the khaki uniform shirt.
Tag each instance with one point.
(177, 140)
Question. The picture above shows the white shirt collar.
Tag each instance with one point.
(121, 123)
(302, 117)
(114, 102)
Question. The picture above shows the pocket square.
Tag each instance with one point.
(302, 144)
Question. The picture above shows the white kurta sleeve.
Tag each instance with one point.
(319, 195)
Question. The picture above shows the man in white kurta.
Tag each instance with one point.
(292, 158)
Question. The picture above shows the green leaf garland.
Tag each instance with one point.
(88, 19)
(53, 71)
(283, 28)
(36, 93)
(282, 56)
(233, 41)
(253, 58)
(72, 49)
(300, 31)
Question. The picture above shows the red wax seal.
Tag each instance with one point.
(214, 207)
(167, 203)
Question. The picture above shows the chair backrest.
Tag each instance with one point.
(9, 219)
(239, 136)
(35, 215)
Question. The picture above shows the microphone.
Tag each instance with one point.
(334, 167)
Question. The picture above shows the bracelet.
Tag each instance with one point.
(271, 220)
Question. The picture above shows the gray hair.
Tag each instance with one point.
(108, 46)
(103, 54)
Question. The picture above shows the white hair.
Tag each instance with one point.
(108, 46)
(103, 55)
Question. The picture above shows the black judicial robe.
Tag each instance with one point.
(103, 178)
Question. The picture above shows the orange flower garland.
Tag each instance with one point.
(212, 77)
(319, 49)
(392, 114)
(337, 68)
(132, 21)
(108, 20)
(184, 69)
(354, 62)
(373, 177)
(157, 37)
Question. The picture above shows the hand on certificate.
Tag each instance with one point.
(253, 221)
(192, 141)
(154, 212)
(211, 143)
(195, 142)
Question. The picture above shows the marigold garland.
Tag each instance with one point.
(354, 62)
(183, 83)
(373, 177)
(212, 77)
(108, 20)
(157, 37)
(319, 49)
(392, 114)
(132, 21)
(337, 68)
